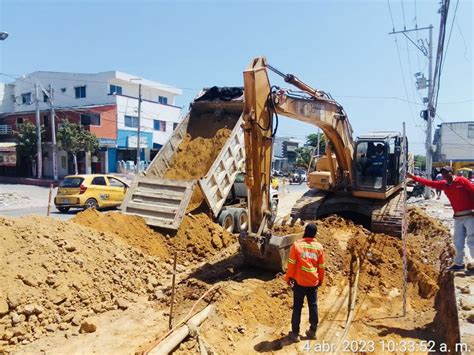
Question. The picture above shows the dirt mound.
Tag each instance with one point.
(131, 229)
(197, 239)
(193, 159)
(55, 274)
(420, 223)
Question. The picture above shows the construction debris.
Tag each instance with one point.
(60, 276)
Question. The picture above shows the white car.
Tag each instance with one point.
(241, 191)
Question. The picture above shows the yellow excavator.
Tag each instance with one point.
(359, 179)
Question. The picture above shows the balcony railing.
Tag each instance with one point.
(5, 129)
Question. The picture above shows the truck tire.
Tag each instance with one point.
(226, 220)
(241, 220)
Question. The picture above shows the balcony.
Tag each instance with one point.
(5, 129)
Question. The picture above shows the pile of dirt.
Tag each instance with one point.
(56, 274)
(197, 239)
(419, 223)
(194, 158)
(130, 229)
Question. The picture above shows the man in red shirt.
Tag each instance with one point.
(460, 192)
(305, 274)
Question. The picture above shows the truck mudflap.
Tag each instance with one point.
(217, 183)
(161, 202)
(268, 251)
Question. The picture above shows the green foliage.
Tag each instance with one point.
(312, 140)
(420, 162)
(73, 138)
(27, 140)
(303, 156)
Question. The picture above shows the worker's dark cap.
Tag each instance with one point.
(447, 168)
(310, 230)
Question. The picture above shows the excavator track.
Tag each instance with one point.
(386, 216)
(306, 208)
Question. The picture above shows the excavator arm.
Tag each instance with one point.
(261, 101)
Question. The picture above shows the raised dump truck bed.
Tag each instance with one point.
(163, 201)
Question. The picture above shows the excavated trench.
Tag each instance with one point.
(107, 268)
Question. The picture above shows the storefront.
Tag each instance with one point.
(8, 159)
(127, 147)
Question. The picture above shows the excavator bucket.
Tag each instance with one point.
(269, 251)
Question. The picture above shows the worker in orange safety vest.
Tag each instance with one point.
(305, 274)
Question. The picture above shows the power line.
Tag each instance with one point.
(403, 12)
(453, 130)
(401, 66)
(450, 31)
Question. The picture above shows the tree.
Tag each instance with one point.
(312, 140)
(27, 143)
(73, 139)
(420, 162)
(303, 156)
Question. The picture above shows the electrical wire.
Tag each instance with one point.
(450, 31)
(454, 131)
(401, 66)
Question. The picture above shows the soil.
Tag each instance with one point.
(197, 239)
(99, 268)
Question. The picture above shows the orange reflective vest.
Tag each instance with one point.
(306, 263)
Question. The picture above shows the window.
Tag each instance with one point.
(159, 125)
(175, 125)
(131, 121)
(115, 90)
(90, 119)
(46, 120)
(99, 180)
(115, 183)
(163, 100)
(26, 98)
(470, 131)
(19, 120)
(80, 92)
(71, 182)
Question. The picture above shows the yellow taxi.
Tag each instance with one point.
(90, 191)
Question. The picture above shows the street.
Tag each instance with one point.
(22, 200)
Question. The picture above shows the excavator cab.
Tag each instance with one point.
(377, 162)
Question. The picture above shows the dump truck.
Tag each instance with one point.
(163, 201)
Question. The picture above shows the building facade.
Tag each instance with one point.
(284, 153)
(104, 103)
(454, 142)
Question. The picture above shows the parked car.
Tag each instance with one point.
(90, 191)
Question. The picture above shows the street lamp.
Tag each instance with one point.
(3, 36)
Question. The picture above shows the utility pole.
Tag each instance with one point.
(38, 132)
(53, 132)
(138, 128)
(427, 114)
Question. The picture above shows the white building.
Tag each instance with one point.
(454, 141)
(106, 103)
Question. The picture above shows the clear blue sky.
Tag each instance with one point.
(339, 46)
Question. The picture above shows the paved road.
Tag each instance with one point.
(289, 194)
(40, 211)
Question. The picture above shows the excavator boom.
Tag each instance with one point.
(333, 176)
